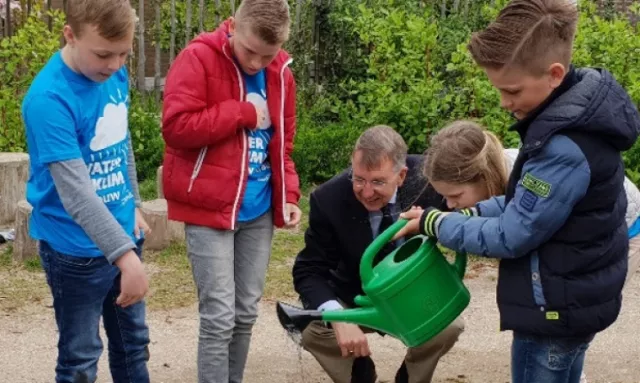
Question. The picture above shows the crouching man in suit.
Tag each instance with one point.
(346, 214)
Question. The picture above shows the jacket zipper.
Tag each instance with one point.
(282, 140)
(234, 211)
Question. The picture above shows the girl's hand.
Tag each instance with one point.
(412, 227)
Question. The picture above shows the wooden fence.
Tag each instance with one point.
(151, 60)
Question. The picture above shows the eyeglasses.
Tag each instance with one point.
(361, 183)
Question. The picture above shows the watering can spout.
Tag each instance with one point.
(293, 318)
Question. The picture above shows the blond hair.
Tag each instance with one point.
(528, 34)
(464, 152)
(267, 19)
(113, 19)
(380, 143)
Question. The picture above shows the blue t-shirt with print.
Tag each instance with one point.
(257, 197)
(67, 116)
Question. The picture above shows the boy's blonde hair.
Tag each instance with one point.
(267, 19)
(113, 19)
(528, 34)
(464, 152)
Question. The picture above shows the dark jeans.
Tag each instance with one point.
(83, 289)
(536, 359)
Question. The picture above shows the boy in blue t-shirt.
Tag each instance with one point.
(84, 193)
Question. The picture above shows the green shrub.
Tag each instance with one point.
(146, 134)
(21, 58)
(321, 149)
(419, 74)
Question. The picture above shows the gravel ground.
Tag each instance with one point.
(481, 355)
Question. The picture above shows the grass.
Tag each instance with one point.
(5, 256)
(20, 283)
(171, 282)
(148, 189)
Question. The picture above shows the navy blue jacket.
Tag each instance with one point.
(560, 231)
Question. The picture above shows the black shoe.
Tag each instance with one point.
(363, 370)
(402, 376)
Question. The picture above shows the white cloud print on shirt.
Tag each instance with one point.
(111, 128)
(261, 102)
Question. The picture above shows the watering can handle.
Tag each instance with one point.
(366, 264)
(460, 264)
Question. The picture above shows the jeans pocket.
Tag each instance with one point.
(72, 261)
(563, 352)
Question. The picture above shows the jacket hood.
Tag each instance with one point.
(218, 40)
(596, 104)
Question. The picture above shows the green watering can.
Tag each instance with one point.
(412, 294)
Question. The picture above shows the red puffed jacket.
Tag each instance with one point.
(204, 122)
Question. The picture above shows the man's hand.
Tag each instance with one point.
(351, 339)
(140, 225)
(293, 213)
(133, 279)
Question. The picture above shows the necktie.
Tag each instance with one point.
(387, 221)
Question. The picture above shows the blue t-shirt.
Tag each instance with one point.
(67, 116)
(257, 197)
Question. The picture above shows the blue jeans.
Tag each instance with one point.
(83, 289)
(536, 359)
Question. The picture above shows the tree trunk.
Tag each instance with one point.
(141, 59)
(24, 247)
(14, 173)
(159, 187)
(187, 28)
(201, 15)
(157, 62)
(163, 231)
(172, 44)
(218, 6)
(298, 20)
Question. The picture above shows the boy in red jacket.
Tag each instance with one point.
(229, 122)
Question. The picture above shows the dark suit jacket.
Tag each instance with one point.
(328, 267)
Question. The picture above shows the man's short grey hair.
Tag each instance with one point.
(379, 143)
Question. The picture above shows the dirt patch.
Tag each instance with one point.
(481, 355)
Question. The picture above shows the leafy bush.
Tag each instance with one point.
(146, 135)
(418, 74)
(21, 58)
(322, 149)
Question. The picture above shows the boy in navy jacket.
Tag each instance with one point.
(560, 230)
